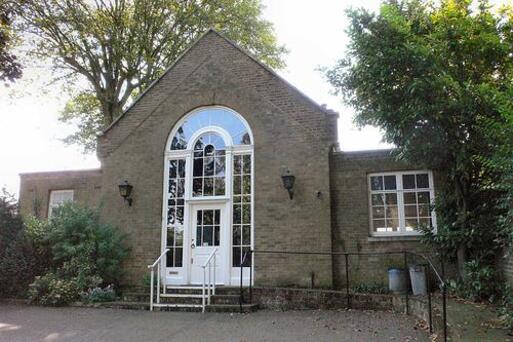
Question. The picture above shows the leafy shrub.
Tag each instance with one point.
(98, 294)
(19, 261)
(479, 282)
(64, 285)
(85, 254)
(77, 233)
(505, 310)
(50, 289)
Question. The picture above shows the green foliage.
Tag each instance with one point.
(10, 69)
(76, 234)
(85, 254)
(375, 288)
(88, 125)
(98, 294)
(19, 261)
(479, 284)
(55, 289)
(118, 48)
(10, 221)
(432, 77)
(505, 310)
(49, 289)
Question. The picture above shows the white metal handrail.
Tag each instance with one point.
(209, 284)
(152, 276)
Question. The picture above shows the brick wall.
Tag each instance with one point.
(289, 132)
(35, 189)
(350, 218)
(329, 211)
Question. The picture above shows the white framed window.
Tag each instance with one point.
(209, 166)
(208, 161)
(242, 210)
(58, 197)
(400, 202)
(175, 211)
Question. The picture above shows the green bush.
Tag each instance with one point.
(505, 310)
(77, 233)
(19, 260)
(85, 254)
(98, 294)
(478, 284)
(50, 289)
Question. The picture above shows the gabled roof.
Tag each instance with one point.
(322, 108)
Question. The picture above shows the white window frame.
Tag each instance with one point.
(181, 275)
(52, 206)
(400, 201)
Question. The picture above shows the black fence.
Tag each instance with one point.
(346, 257)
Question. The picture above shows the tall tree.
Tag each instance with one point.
(10, 68)
(429, 75)
(120, 46)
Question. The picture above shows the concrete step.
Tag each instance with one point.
(181, 298)
(180, 295)
(184, 287)
(180, 307)
(224, 290)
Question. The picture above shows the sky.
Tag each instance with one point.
(313, 32)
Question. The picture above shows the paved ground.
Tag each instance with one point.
(475, 322)
(30, 323)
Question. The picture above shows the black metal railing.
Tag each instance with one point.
(428, 263)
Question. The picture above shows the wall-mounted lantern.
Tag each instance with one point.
(125, 190)
(288, 182)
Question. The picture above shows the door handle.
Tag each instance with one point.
(193, 245)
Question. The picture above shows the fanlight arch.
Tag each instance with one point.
(204, 118)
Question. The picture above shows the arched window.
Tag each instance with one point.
(211, 117)
(208, 192)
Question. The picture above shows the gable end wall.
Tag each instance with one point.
(289, 132)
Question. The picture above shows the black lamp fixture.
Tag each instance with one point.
(125, 190)
(288, 182)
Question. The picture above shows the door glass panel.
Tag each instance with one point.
(207, 236)
(208, 227)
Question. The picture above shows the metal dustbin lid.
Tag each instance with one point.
(395, 270)
(416, 268)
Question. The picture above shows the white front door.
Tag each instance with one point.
(208, 232)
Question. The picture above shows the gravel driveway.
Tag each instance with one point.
(31, 323)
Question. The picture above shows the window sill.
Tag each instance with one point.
(393, 238)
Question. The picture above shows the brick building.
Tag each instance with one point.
(205, 149)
